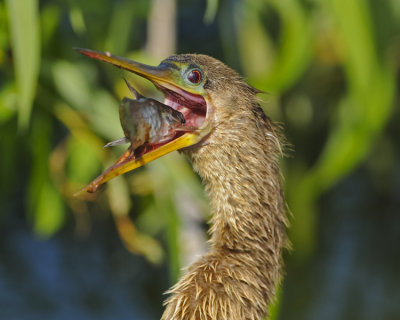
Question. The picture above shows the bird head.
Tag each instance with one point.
(202, 88)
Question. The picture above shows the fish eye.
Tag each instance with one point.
(194, 76)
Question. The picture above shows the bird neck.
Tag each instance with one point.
(237, 278)
(247, 207)
(242, 178)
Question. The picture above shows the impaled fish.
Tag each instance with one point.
(146, 121)
(147, 124)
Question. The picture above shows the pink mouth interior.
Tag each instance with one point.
(193, 107)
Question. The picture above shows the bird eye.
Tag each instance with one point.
(194, 76)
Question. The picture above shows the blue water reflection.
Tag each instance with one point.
(75, 278)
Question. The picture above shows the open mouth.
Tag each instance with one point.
(192, 107)
(193, 129)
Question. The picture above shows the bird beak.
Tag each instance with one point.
(160, 74)
(162, 77)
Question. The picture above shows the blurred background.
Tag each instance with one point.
(331, 73)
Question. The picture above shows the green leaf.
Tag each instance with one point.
(275, 306)
(49, 20)
(72, 84)
(120, 27)
(364, 112)
(274, 69)
(49, 212)
(45, 205)
(83, 161)
(77, 20)
(104, 117)
(295, 50)
(357, 121)
(8, 101)
(211, 11)
(24, 27)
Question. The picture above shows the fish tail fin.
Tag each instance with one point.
(117, 142)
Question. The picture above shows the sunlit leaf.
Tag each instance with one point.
(137, 242)
(24, 26)
(77, 20)
(72, 84)
(270, 68)
(49, 212)
(118, 195)
(294, 53)
(104, 116)
(365, 111)
(83, 161)
(359, 118)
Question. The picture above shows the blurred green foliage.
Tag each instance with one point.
(330, 68)
(24, 29)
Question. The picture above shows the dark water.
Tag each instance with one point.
(355, 271)
(75, 278)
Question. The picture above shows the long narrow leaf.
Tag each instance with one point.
(24, 26)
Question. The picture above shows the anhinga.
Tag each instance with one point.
(235, 148)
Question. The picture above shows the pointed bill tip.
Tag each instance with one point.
(120, 62)
(104, 56)
(83, 191)
(128, 162)
(152, 73)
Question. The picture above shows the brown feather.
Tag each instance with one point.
(239, 165)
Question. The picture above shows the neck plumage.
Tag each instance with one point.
(237, 278)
